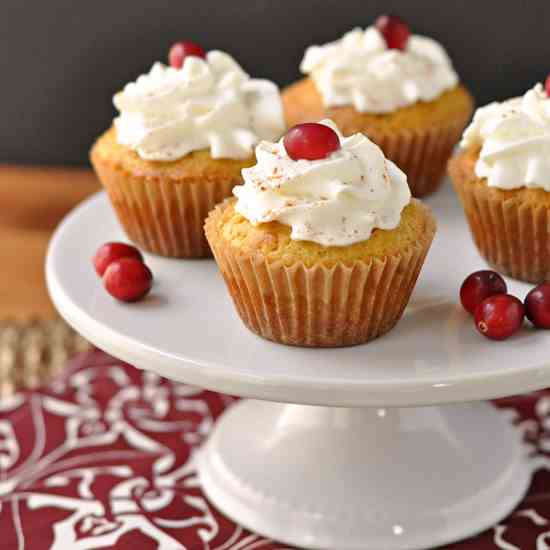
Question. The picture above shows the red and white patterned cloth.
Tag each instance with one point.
(103, 458)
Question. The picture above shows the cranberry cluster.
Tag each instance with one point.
(124, 273)
(498, 315)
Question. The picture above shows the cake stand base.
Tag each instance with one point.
(364, 478)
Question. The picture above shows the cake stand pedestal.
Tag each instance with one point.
(359, 478)
(379, 447)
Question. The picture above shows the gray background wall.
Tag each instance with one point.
(61, 60)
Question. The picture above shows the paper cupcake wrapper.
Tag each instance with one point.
(165, 217)
(422, 155)
(318, 306)
(513, 236)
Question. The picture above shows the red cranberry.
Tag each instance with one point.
(394, 30)
(537, 306)
(180, 50)
(311, 141)
(128, 279)
(547, 85)
(478, 286)
(109, 252)
(499, 316)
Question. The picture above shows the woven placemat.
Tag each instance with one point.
(32, 352)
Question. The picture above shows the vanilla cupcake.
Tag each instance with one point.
(178, 146)
(400, 90)
(323, 244)
(502, 177)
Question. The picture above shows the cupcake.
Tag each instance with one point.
(400, 90)
(177, 148)
(502, 176)
(323, 244)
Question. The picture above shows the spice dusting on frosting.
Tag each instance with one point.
(207, 103)
(335, 201)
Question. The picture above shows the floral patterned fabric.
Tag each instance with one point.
(103, 458)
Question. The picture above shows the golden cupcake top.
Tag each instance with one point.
(197, 166)
(274, 242)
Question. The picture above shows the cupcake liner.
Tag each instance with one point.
(422, 155)
(511, 234)
(162, 216)
(318, 306)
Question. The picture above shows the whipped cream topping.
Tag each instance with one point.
(335, 201)
(360, 70)
(515, 141)
(208, 103)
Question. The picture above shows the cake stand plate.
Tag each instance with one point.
(368, 451)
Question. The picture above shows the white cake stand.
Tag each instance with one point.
(344, 465)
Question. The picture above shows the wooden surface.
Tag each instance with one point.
(32, 201)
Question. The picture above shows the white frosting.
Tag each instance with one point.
(208, 103)
(515, 141)
(360, 70)
(335, 201)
